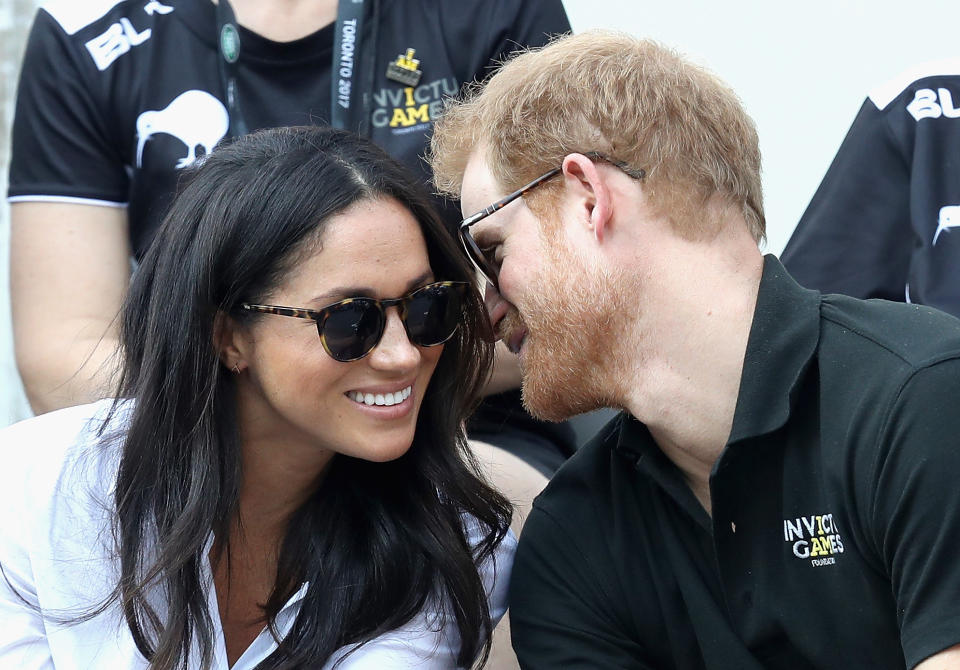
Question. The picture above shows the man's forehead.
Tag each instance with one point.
(479, 188)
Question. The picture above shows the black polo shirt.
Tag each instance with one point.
(836, 511)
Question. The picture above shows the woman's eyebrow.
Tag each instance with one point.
(343, 292)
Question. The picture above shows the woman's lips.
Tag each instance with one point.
(387, 399)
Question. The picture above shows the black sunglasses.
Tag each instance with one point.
(483, 259)
(350, 329)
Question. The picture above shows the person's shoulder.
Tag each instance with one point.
(45, 454)
(73, 16)
(910, 335)
(915, 85)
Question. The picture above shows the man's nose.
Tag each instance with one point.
(496, 304)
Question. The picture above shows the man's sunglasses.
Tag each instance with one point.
(350, 329)
(483, 259)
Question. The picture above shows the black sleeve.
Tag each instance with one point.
(855, 237)
(61, 143)
(527, 23)
(496, 29)
(562, 613)
(916, 509)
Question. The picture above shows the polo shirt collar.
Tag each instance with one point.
(782, 343)
(633, 441)
(783, 339)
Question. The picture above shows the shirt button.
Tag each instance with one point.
(748, 599)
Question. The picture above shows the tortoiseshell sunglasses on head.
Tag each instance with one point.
(350, 329)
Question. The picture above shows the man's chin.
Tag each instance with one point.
(554, 399)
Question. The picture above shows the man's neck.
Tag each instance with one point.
(685, 382)
(284, 20)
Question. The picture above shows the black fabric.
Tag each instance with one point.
(84, 90)
(882, 223)
(835, 511)
(503, 413)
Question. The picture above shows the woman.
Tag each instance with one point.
(262, 498)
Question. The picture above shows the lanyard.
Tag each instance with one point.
(228, 43)
(345, 95)
(346, 61)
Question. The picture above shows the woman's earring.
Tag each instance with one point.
(236, 369)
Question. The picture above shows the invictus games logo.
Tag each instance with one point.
(411, 108)
(813, 538)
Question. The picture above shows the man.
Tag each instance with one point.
(882, 223)
(779, 491)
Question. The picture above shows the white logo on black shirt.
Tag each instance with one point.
(194, 117)
(154, 6)
(814, 538)
(949, 218)
(930, 104)
(115, 41)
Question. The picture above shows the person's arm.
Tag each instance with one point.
(914, 511)
(948, 659)
(69, 269)
(562, 613)
(23, 636)
(69, 258)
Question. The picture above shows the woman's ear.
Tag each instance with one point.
(228, 340)
(588, 186)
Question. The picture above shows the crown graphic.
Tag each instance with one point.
(405, 69)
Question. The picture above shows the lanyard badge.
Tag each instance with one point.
(229, 42)
(405, 70)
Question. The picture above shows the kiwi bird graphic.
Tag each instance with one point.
(194, 117)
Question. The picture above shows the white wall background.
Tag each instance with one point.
(801, 68)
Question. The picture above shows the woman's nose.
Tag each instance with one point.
(395, 351)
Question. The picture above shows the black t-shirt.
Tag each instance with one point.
(836, 512)
(882, 223)
(116, 97)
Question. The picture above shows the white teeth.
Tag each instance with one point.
(381, 399)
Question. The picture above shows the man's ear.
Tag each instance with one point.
(588, 186)
(229, 342)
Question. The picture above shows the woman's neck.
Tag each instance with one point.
(284, 20)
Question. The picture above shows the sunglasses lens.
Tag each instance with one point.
(433, 313)
(351, 329)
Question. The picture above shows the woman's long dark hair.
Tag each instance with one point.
(376, 541)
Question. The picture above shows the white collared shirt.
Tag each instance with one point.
(56, 550)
